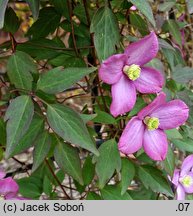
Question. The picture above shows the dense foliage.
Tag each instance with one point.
(100, 93)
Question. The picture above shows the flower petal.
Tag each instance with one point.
(155, 144)
(171, 114)
(8, 186)
(187, 165)
(2, 174)
(142, 51)
(132, 136)
(189, 189)
(180, 193)
(157, 102)
(150, 81)
(123, 96)
(175, 179)
(111, 69)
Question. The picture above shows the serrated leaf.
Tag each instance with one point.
(108, 161)
(144, 7)
(169, 162)
(106, 32)
(18, 116)
(127, 174)
(182, 74)
(34, 6)
(35, 128)
(3, 5)
(113, 192)
(68, 124)
(154, 179)
(88, 171)
(42, 147)
(58, 79)
(47, 22)
(68, 160)
(19, 68)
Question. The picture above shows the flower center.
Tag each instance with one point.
(151, 122)
(133, 71)
(2, 197)
(187, 181)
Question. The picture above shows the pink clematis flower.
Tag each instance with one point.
(147, 128)
(126, 73)
(183, 178)
(8, 188)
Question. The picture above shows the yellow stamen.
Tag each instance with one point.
(133, 71)
(187, 181)
(2, 197)
(151, 122)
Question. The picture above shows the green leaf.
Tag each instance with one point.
(3, 5)
(41, 48)
(108, 161)
(62, 7)
(20, 66)
(113, 192)
(10, 18)
(103, 117)
(2, 132)
(154, 179)
(127, 174)
(47, 186)
(69, 125)
(139, 23)
(144, 7)
(93, 196)
(106, 32)
(18, 116)
(47, 22)
(173, 134)
(190, 6)
(88, 171)
(68, 160)
(184, 145)
(42, 147)
(166, 6)
(172, 27)
(143, 194)
(138, 106)
(27, 141)
(34, 6)
(86, 118)
(169, 162)
(30, 187)
(182, 74)
(58, 79)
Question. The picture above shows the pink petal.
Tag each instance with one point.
(8, 186)
(150, 81)
(171, 114)
(157, 102)
(175, 179)
(180, 193)
(123, 96)
(155, 144)
(2, 174)
(111, 69)
(190, 188)
(132, 136)
(187, 165)
(143, 51)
